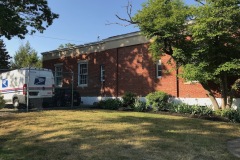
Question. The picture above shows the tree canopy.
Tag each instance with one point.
(203, 39)
(67, 45)
(4, 57)
(26, 56)
(19, 17)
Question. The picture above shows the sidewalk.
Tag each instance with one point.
(234, 147)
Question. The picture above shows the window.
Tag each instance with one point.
(82, 73)
(58, 75)
(102, 73)
(159, 69)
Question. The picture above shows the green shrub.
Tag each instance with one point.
(231, 114)
(190, 109)
(99, 104)
(139, 106)
(184, 108)
(112, 104)
(157, 100)
(204, 110)
(171, 107)
(129, 99)
(2, 102)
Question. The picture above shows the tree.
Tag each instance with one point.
(67, 45)
(19, 17)
(4, 57)
(26, 57)
(2, 101)
(203, 39)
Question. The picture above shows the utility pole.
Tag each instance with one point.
(28, 88)
(72, 88)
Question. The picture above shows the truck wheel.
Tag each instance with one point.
(15, 103)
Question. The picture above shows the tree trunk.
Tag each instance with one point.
(230, 99)
(211, 96)
(224, 90)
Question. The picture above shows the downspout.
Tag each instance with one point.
(117, 75)
(177, 80)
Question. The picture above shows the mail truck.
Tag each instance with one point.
(27, 86)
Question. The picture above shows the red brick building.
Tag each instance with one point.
(115, 65)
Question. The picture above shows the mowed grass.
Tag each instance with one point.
(99, 134)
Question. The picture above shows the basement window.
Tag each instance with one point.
(159, 69)
(82, 73)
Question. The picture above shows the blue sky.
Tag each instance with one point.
(80, 21)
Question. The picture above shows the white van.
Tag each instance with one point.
(38, 84)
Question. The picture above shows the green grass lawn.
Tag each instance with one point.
(99, 134)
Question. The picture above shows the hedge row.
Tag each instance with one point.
(159, 101)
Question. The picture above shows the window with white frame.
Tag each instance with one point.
(159, 69)
(102, 73)
(82, 73)
(58, 75)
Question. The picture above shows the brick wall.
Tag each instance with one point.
(127, 69)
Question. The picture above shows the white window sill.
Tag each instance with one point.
(191, 82)
(82, 85)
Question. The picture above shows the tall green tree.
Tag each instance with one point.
(4, 57)
(26, 56)
(4, 66)
(19, 17)
(203, 39)
(67, 45)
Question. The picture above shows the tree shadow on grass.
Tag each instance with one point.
(121, 136)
